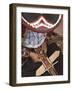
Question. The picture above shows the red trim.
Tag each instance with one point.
(39, 31)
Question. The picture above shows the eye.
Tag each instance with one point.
(30, 17)
(52, 18)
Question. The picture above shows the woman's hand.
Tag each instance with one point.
(35, 57)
